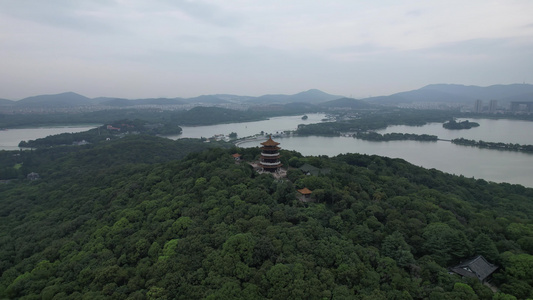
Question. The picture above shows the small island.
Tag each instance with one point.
(305, 117)
(453, 125)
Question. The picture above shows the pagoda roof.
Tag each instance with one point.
(270, 142)
(236, 155)
(305, 191)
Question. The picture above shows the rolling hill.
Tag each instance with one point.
(5, 102)
(68, 99)
(433, 93)
(145, 217)
(348, 103)
(122, 102)
(312, 96)
(206, 99)
(456, 93)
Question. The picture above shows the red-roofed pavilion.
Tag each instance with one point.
(305, 191)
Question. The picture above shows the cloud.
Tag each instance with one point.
(361, 48)
(209, 13)
(269, 46)
(487, 49)
(69, 15)
(414, 13)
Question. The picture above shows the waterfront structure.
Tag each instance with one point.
(270, 156)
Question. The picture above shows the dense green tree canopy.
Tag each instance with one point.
(148, 218)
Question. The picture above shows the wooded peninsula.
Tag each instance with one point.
(493, 145)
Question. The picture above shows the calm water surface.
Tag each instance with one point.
(10, 138)
(491, 165)
(271, 125)
(505, 131)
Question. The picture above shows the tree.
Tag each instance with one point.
(483, 245)
(395, 247)
(279, 280)
(445, 244)
(463, 291)
(520, 266)
(503, 296)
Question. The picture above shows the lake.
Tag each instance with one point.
(491, 165)
(10, 138)
(505, 131)
(272, 125)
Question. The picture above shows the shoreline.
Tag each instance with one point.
(249, 139)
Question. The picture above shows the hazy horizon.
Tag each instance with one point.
(141, 49)
(244, 95)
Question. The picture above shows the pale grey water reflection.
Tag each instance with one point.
(505, 131)
(10, 138)
(272, 125)
(491, 165)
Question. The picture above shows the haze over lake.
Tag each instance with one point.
(272, 125)
(491, 165)
(488, 164)
(10, 138)
(503, 130)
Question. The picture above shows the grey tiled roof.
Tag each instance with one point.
(477, 267)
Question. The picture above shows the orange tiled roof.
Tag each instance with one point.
(305, 191)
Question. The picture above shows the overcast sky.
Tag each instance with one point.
(179, 48)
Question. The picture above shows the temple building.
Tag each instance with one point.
(270, 156)
(477, 267)
(305, 191)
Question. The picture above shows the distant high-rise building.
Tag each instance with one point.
(493, 106)
(478, 106)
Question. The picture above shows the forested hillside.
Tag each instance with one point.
(124, 220)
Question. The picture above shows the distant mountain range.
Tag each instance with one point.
(456, 93)
(71, 99)
(442, 93)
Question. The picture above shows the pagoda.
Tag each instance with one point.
(270, 156)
